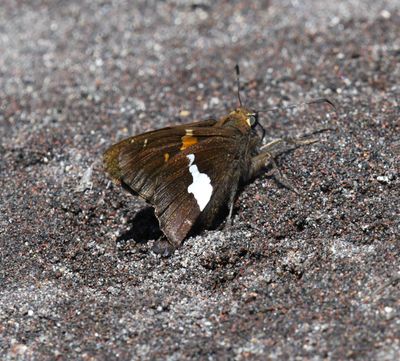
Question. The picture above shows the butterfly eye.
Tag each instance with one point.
(252, 120)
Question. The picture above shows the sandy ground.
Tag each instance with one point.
(314, 276)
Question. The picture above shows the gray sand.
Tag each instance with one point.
(314, 276)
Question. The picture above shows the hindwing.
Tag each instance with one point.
(197, 183)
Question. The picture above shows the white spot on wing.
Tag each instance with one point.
(191, 159)
(201, 187)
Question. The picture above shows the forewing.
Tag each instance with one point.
(135, 161)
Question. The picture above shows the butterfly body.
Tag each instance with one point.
(189, 173)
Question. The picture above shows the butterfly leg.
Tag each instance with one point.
(280, 177)
(231, 203)
(267, 158)
(295, 141)
(298, 142)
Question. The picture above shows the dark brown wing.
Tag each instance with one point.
(197, 182)
(165, 167)
(144, 147)
(138, 160)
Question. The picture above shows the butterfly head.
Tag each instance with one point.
(244, 119)
(243, 116)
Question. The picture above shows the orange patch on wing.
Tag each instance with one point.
(166, 157)
(187, 141)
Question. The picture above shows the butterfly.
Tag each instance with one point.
(191, 173)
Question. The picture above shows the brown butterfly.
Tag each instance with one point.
(191, 173)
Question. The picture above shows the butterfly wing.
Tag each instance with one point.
(178, 171)
(196, 184)
(135, 161)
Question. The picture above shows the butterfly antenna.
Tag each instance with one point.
(238, 83)
(313, 101)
